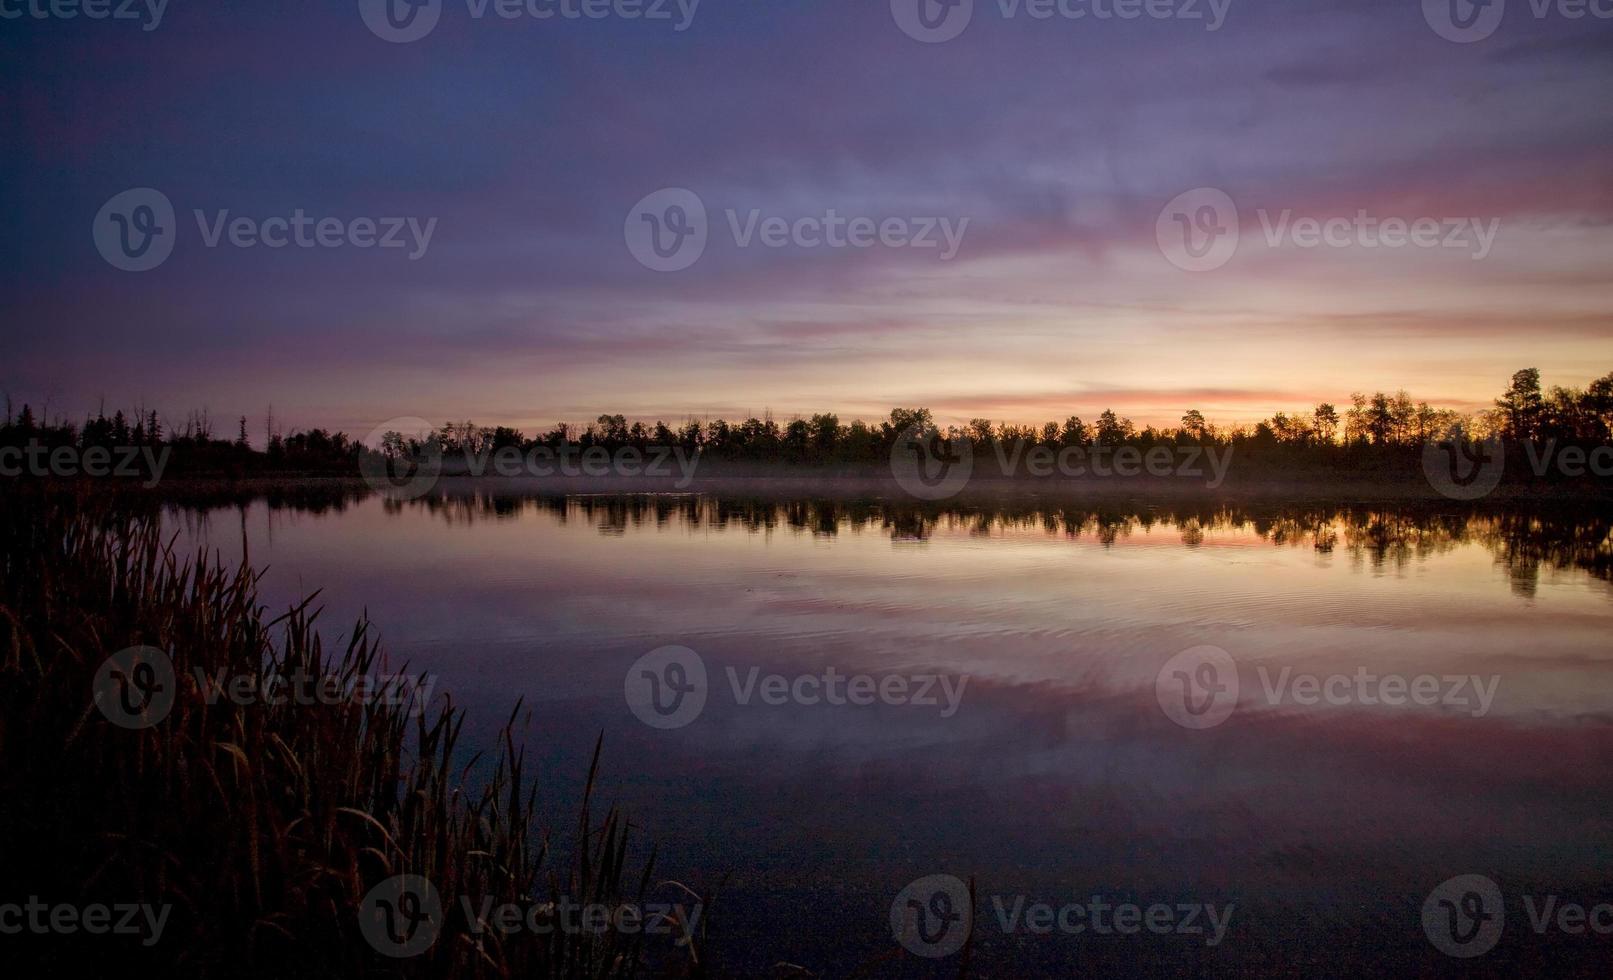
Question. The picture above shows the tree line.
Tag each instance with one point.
(1524, 411)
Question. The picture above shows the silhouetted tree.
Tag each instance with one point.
(1326, 420)
(1521, 404)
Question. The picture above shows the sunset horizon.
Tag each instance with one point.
(1027, 279)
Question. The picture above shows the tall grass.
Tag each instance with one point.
(262, 826)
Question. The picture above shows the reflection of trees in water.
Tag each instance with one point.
(1524, 543)
(201, 510)
(1389, 540)
(1382, 538)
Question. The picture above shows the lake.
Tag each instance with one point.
(1171, 740)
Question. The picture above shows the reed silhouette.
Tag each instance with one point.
(260, 826)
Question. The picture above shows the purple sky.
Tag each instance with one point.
(530, 142)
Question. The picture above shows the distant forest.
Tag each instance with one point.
(1385, 423)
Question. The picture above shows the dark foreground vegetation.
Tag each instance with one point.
(259, 828)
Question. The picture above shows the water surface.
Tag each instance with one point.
(1058, 776)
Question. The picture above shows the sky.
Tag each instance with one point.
(1082, 164)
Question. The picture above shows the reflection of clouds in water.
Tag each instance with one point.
(1021, 591)
(1059, 771)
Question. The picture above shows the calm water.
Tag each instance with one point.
(1057, 775)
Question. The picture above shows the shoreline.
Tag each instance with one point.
(782, 483)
